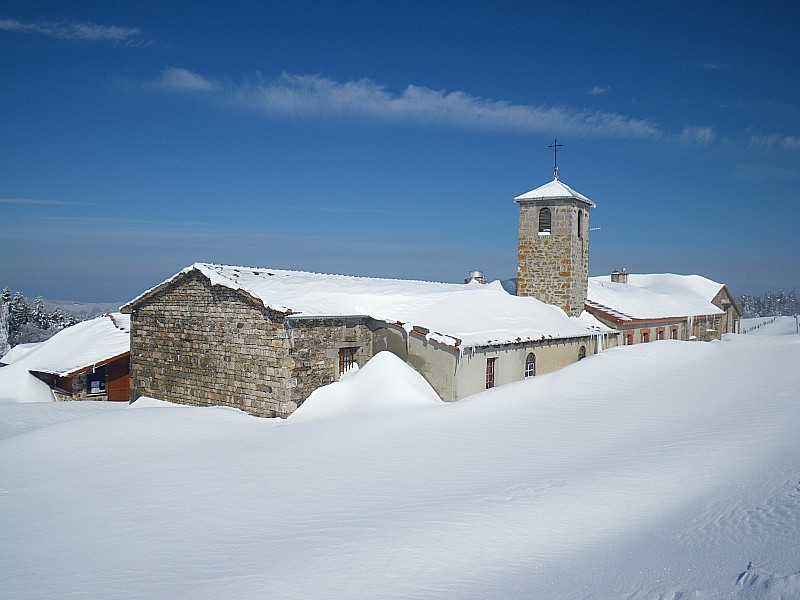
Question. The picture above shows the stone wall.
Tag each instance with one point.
(314, 353)
(730, 320)
(203, 345)
(554, 268)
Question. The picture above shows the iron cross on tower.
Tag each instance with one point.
(555, 146)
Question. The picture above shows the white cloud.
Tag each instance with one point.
(312, 94)
(698, 134)
(775, 140)
(74, 31)
(597, 90)
(183, 79)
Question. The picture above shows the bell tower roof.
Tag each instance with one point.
(555, 190)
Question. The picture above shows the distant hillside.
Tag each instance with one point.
(91, 309)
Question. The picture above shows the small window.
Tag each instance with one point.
(490, 372)
(629, 339)
(645, 337)
(580, 224)
(530, 365)
(582, 353)
(673, 333)
(660, 334)
(544, 220)
(96, 381)
(347, 359)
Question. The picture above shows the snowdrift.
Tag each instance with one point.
(658, 471)
(385, 382)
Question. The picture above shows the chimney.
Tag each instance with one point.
(475, 276)
(619, 276)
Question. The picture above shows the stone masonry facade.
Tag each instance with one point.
(554, 268)
(202, 345)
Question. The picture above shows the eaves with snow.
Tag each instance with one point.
(459, 315)
(554, 190)
(654, 296)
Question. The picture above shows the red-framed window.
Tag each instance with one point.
(673, 333)
(490, 372)
(645, 336)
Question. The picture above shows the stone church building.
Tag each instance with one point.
(263, 339)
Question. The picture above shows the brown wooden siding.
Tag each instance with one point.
(118, 380)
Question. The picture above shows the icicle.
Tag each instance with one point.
(598, 342)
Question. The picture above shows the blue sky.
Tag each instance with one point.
(390, 139)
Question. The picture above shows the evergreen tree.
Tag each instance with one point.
(38, 316)
(5, 300)
(18, 314)
(773, 304)
(4, 344)
(20, 324)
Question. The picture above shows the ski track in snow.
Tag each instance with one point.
(667, 470)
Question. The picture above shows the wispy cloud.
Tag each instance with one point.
(315, 95)
(708, 66)
(182, 79)
(38, 202)
(78, 31)
(698, 134)
(598, 90)
(775, 140)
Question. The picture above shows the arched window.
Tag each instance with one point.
(530, 365)
(544, 220)
(582, 353)
(580, 224)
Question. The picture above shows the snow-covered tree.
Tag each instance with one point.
(20, 324)
(772, 304)
(5, 300)
(4, 345)
(18, 314)
(38, 315)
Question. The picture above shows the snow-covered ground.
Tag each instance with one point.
(769, 326)
(656, 471)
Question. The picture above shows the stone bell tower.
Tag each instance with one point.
(553, 251)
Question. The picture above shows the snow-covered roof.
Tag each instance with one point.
(654, 296)
(554, 190)
(461, 315)
(68, 352)
(18, 352)
(82, 346)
